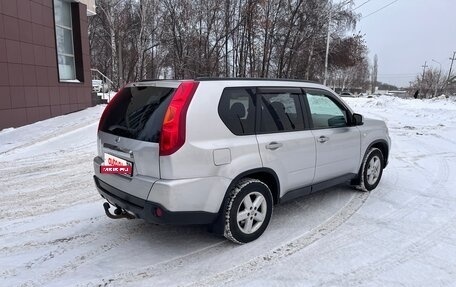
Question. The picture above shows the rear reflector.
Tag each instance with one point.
(172, 136)
(158, 212)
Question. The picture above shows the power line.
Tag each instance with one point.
(397, 74)
(362, 5)
(401, 76)
(380, 9)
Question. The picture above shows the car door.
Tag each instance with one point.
(286, 144)
(338, 144)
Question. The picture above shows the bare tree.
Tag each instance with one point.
(431, 85)
(134, 39)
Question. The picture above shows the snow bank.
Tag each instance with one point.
(12, 138)
(441, 102)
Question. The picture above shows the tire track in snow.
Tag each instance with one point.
(340, 241)
(276, 255)
(393, 260)
(44, 199)
(45, 229)
(256, 263)
(31, 245)
(165, 267)
(53, 135)
(49, 185)
(416, 198)
(406, 252)
(62, 246)
(81, 259)
(49, 170)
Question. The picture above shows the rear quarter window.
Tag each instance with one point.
(137, 113)
(237, 110)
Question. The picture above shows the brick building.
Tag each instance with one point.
(44, 59)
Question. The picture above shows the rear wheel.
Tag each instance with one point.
(248, 211)
(371, 170)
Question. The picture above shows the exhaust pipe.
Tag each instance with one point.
(118, 212)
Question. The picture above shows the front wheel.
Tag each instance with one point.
(248, 211)
(371, 170)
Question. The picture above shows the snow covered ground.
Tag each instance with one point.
(53, 230)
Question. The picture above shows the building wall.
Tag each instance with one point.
(30, 90)
(91, 7)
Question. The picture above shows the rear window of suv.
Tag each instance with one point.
(137, 113)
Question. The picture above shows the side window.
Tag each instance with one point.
(237, 110)
(325, 112)
(280, 112)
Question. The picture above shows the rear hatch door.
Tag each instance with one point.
(129, 132)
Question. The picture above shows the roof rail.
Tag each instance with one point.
(233, 79)
(152, 80)
(252, 79)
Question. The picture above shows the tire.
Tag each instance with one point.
(248, 211)
(371, 170)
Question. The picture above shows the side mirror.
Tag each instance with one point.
(357, 119)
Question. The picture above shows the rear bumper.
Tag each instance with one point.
(146, 209)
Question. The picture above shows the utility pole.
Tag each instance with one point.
(327, 43)
(341, 5)
(424, 69)
(451, 66)
(422, 78)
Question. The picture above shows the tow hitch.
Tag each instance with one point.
(118, 212)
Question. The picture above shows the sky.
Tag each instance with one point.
(406, 34)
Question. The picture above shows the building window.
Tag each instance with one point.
(64, 40)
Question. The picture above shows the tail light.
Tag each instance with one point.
(172, 135)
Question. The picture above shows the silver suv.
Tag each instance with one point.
(223, 152)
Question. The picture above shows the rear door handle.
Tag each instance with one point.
(323, 139)
(274, 145)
